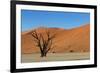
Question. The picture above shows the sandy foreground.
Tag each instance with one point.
(27, 58)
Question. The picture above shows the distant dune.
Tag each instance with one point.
(66, 40)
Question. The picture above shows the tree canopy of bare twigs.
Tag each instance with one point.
(44, 44)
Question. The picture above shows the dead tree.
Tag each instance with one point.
(43, 43)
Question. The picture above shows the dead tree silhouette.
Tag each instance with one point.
(44, 44)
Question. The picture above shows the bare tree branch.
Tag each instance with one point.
(44, 44)
(49, 35)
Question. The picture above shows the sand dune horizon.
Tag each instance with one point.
(66, 40)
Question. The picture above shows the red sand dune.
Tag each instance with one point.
(66, 40)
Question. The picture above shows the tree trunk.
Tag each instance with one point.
(43, 54)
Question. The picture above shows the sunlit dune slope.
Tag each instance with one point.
(66, 40)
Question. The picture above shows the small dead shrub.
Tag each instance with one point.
(53, 52)
(71, 51)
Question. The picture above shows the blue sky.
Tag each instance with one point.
(31, 19)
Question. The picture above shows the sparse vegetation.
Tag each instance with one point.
(71, 50)
(44, 44)
(53, 52)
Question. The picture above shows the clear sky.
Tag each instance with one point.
(31, 19)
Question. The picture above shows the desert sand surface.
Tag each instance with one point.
(69, 44)
(66, 40)
(27, 58)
